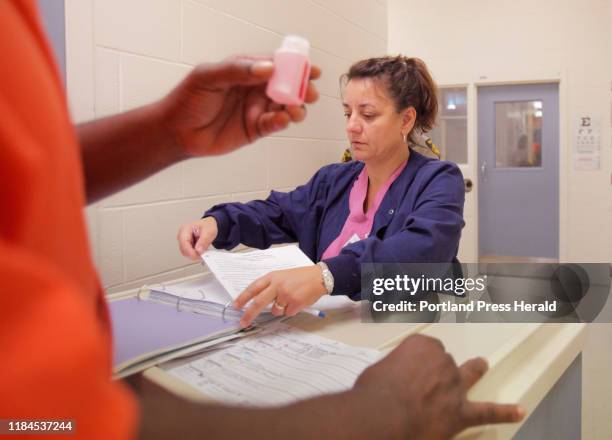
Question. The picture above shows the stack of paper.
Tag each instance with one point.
(278, 365)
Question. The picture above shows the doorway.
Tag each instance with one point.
(518, 173)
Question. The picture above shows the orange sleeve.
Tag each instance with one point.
(54, 362)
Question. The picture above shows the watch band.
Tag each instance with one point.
(328, 277)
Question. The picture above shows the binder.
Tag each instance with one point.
(147, 332)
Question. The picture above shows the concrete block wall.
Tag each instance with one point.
(125, 53)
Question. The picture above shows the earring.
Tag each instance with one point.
(405, 136)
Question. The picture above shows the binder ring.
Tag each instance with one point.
(227, 304)
(139, 293)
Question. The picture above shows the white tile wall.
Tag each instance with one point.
(106, 98)
(312, 154)
(328, 83)
(148, 27)
(210, 34)
(150, 244)
(126, 53)
(111, 244)
(143, 80)
(165, 185)
(327, 30)
(240, 171)
(247, 197)
(325, 121)
(373, 18)
(80, 58)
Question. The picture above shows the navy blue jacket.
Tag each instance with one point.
(419, 219)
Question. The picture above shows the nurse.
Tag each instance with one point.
(390, 204)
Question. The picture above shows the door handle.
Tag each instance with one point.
(483, 170)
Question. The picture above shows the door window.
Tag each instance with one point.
(518, 134)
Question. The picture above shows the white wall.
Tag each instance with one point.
(481, 41)
(124, 53)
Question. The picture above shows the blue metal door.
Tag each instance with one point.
(518, 159)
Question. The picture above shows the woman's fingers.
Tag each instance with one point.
(186, 241)
(251, 291)
(202, 244)
(290, 290)
(257, 305)
(194, 238)
(278, 308)
(293, 308)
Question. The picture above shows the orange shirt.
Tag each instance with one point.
(55, 344)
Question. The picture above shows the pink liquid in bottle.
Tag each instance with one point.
(291, 72)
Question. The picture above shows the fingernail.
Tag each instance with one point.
(262, 67)
(520, 413)
(199, 250)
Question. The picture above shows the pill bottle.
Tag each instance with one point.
(291, 72)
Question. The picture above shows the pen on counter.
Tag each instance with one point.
(314, 312)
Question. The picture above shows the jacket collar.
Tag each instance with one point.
(398, 190)
(388, 206)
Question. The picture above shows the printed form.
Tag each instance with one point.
(236, 270)
(279, 365)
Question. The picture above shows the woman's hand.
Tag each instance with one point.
(290, 290)
(195, 237)
(219, 107)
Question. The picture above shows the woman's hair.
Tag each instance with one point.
(409, 84)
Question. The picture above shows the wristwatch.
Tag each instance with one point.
(328, 277)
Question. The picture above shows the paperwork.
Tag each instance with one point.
(166, 321)
(231, 274)
(278, 365)
(236, 270)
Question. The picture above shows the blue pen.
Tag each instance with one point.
(314, 312)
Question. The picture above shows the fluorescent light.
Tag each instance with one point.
(537, 105)
(451, 106)
(538, 113)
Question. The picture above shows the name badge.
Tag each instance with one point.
(354, 239)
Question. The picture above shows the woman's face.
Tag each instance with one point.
(373, 126)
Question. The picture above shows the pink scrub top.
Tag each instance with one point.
(359, 224)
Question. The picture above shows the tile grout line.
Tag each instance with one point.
(258, 26)
(321, 5)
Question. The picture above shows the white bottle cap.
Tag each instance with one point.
(294, 43)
